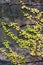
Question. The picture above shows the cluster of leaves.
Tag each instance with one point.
(13, 56)
(32, 38)
(27, 12)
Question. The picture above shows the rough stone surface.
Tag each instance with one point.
(18, 17)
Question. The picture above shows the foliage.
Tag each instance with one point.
(32, 37)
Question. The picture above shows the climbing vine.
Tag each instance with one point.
(32, 38)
